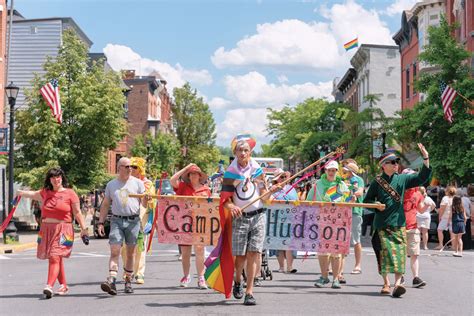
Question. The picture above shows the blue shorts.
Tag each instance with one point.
(356, 229)
(123, 229)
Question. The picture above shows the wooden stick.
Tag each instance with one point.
(321, 203)
(339, 150)
(466, 99)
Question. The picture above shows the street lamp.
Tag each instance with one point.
(12, 92)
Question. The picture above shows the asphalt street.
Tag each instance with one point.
(22, 278)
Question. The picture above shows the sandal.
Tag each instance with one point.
(385, 290)
(356, 271)
(292, 271)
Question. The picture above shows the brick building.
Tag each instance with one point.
(411, 38)
(462, 11)
(148, 110)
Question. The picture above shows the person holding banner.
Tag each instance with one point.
(287, 193)
(330, 188)
(60, 205)
(189, 181)
(124, 224)
(138, 166)
(356, 184)
(243, 181)
(390, 240)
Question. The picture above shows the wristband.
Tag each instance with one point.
(427, 158)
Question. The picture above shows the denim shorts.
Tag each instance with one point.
(356, 229)
(123, 229)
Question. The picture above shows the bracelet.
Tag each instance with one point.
(427, 158)
(100, 223)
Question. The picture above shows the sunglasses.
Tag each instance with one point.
(134, 167)
(126, 167)
(393, 162)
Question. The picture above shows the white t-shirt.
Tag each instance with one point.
(448, 201)
(431, 206)
(245, 194)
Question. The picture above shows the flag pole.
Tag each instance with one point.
(339, 150)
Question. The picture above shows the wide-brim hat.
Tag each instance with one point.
(352, 167)
(195, 169)
(140, 163)
(280, 172)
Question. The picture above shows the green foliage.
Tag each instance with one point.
(449, 145)
(162, 155)
(301, 132)
(196, 129)
(92, 102)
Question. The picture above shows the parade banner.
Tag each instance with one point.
(188, 220)
(308, 226)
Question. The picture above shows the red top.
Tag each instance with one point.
(58, 205)
(411, 200)
(187, 189)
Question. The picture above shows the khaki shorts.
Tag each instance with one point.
(331, 255)
(413, 242)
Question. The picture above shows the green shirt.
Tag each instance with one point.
(329, 191)
(360, 184)
(393, 214)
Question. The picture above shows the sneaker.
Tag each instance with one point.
(63, 290)
(202, 283)
(139, 279)
(109, 286)
(249, 300)
(321, 282)
(417, 282)
(336, 284)
(457, 254)
(257, 282)
(185, 281)
(238, 291)
(398, 291)
(342, 280)
(48, 292)
(128, 285)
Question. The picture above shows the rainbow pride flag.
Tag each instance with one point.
(333, 193)
(352, 44)
(66, 241)
(220, 263)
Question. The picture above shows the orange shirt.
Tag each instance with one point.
(58, 205)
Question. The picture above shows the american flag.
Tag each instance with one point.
(50, 93)
(448, 95)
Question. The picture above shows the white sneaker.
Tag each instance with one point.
(202, 283)
(185, 281)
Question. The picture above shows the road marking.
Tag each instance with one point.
(2, 257)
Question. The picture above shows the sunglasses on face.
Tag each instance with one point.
(393, 162)
(126, 167)
(134, 167)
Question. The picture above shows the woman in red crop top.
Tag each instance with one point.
(189, 181)
(56, 236)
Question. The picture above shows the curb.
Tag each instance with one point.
(17, 248)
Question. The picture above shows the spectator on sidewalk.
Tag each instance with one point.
(445, 217)
(423, 220)
(459, 219)
(56, 235)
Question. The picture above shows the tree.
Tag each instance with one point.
(449, 145)
(304, 131)
(162, 155)
(196, 129)
(92, 102)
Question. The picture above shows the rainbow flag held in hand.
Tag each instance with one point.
(352, 44)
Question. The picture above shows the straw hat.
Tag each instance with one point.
(196, 169)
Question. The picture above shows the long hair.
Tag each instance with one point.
(457, 205)
(54, 172)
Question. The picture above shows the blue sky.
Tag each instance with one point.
(241, 56)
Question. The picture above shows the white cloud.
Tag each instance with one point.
(123, 57)
(243, 120)
(218, 103)
(297, 44)
(252, 89)
(398, 6)
(282, 79)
